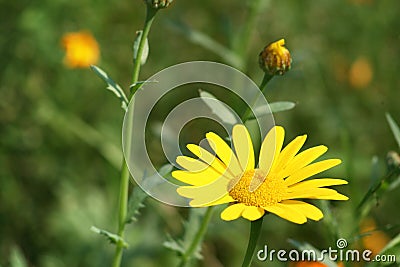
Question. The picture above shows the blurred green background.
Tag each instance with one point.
(60, 131)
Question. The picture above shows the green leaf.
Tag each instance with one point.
(145, 52)
(17, 259)
(394, 127)
(281, 106)
(218, 108)
(135, 203)
(112, 86)
(274, 107)
(207, 42)
(191, 228)
(113, 238)
(304, 246)
(174, 245)
(138, 196)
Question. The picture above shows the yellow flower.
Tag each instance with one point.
(274, 186)
(374, 240)
(275, 58)
(81, 49)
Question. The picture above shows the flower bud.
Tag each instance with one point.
(393, 160)
(158, 4)
(275, 58)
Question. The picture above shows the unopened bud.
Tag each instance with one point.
(158, 4)
(393, 160)
(275, 59)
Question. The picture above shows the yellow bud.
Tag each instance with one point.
(158, 4)
(275, 58)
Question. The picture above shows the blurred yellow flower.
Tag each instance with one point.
(360, 74)
(374, 240)
(231, 177)
(82, 49)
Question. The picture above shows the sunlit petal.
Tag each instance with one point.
(243, 147)
(232, 212)
(315, 183)
(302, 159)
(311, 170)
(310, 211)
(270, 148)
(252, 213)
(224, 152)
(287, 213)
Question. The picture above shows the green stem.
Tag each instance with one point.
(254, 234)
(186, 257)
(124, 186)
(123, 204)
(150, 15)
(263, 89)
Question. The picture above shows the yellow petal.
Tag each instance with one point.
(315, 183)
(288, 153)
(197, 178)
(287, 213)
(315, 193)
(311, 170)
(243, 147)
(302, 159)
(204, 195)
(310, 211)
(336, 196)
(210, 159)
(224, 152)
(232, 212)
(270, 148)
(225, 199)
(191, 164)
(252, 213)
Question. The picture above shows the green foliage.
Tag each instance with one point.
(113, 238)
(394, 127)
(145, 53)
(112, 86)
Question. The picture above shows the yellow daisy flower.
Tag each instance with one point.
(275, 186)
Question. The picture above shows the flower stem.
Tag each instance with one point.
(254, 233)
(123, 202)
(263, 89)
(124, 181)
(187, 256)
(150, 15)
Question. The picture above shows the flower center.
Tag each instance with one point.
(269, 192)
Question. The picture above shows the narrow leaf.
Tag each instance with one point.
(218, 108)
(281, 106)
(112, 86)
(274, 107)
(113, 238)
(17, 259)
(394, 127)
(145, 52)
